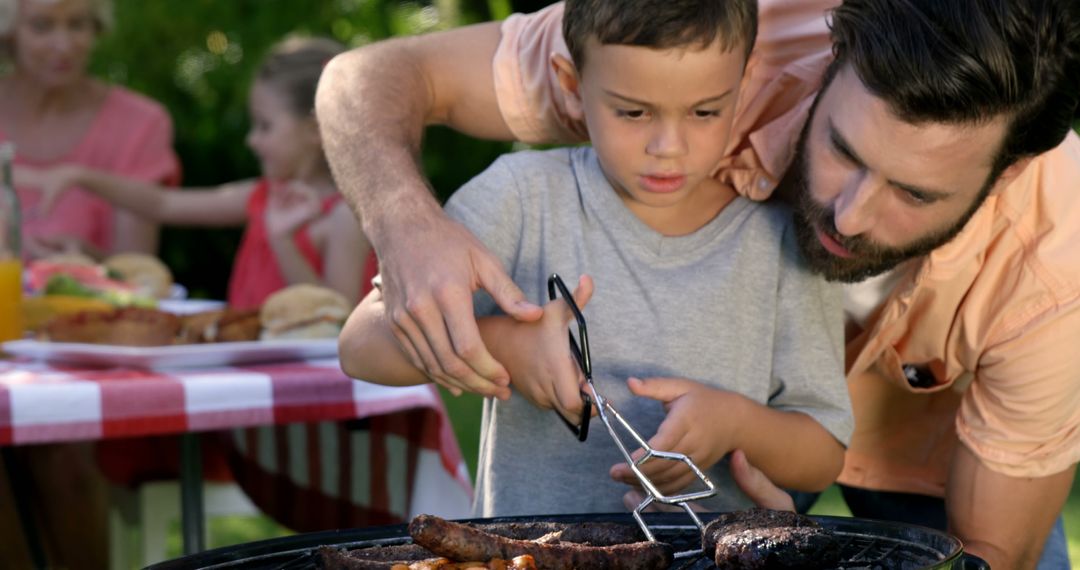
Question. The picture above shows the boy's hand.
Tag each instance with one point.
(750, 479)
(701, 424)
(289, 206)
(543, 369)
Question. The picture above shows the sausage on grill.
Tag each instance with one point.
(458, 541)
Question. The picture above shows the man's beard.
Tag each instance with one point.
(868, 258)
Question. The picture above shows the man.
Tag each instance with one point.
(932, 167)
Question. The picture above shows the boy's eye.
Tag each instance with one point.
(706, 113)
(81, 24)
(40, 25)
(629, 113)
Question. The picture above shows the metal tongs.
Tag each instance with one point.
(579, 347)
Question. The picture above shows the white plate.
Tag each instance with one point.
(189, 306)
(181, 356)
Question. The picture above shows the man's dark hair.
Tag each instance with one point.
(969, 61)
(661, 24)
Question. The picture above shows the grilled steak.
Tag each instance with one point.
(764, 539)
(736, 521)
(777, 547)
(458, 541)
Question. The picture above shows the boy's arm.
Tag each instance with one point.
(538, 353)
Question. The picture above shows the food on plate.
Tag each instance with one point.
(303, 311)
(238, 325)
(38, 311)
(761, 538)
(80, 280)
(220, 325)
(200, 327)
(72, 258)
(145, 272)
(462, 541)
(127, 326)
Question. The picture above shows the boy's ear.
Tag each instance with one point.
(567, 74)
(1010, 173)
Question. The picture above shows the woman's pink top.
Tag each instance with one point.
(256, 272)
(131, 136)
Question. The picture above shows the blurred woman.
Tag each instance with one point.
(55, 112)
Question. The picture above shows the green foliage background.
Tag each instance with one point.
(197, 58)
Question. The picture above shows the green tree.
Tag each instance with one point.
(198, 57)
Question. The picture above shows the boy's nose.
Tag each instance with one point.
(667, 141)
(855, 206)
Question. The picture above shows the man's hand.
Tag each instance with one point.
(429, 274)
(692, 427)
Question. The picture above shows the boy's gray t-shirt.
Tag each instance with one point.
(730, 305)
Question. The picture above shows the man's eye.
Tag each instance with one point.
(917, 197)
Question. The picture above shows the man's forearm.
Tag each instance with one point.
(372, 106)
(374, 102)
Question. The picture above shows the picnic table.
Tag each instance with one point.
(49, 402)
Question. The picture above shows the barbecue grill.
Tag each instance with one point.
(866, 544)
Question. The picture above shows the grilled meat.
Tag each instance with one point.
(593, 534)
(401, 558)
(777, 547)
(459, 541)
(764, 539)
(372, 558)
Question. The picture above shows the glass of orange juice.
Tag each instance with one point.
(11, 326)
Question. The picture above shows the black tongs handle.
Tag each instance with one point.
(581, 355)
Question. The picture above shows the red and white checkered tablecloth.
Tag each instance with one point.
(50, 403)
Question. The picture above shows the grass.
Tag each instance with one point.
(465, 414)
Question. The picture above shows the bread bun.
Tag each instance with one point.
(303, 311)
(146, 272)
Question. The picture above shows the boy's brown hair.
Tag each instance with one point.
(661, 24)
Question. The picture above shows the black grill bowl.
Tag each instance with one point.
(866, 544)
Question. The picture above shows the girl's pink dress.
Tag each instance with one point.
(256, 273)
(130, 136)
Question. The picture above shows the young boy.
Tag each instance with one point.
(694, 286)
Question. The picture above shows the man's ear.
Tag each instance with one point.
(567, 74)
(1010, 173)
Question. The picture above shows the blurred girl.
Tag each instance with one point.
(298, 228)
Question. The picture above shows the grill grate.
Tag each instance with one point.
(858, 551)
(865, 545)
